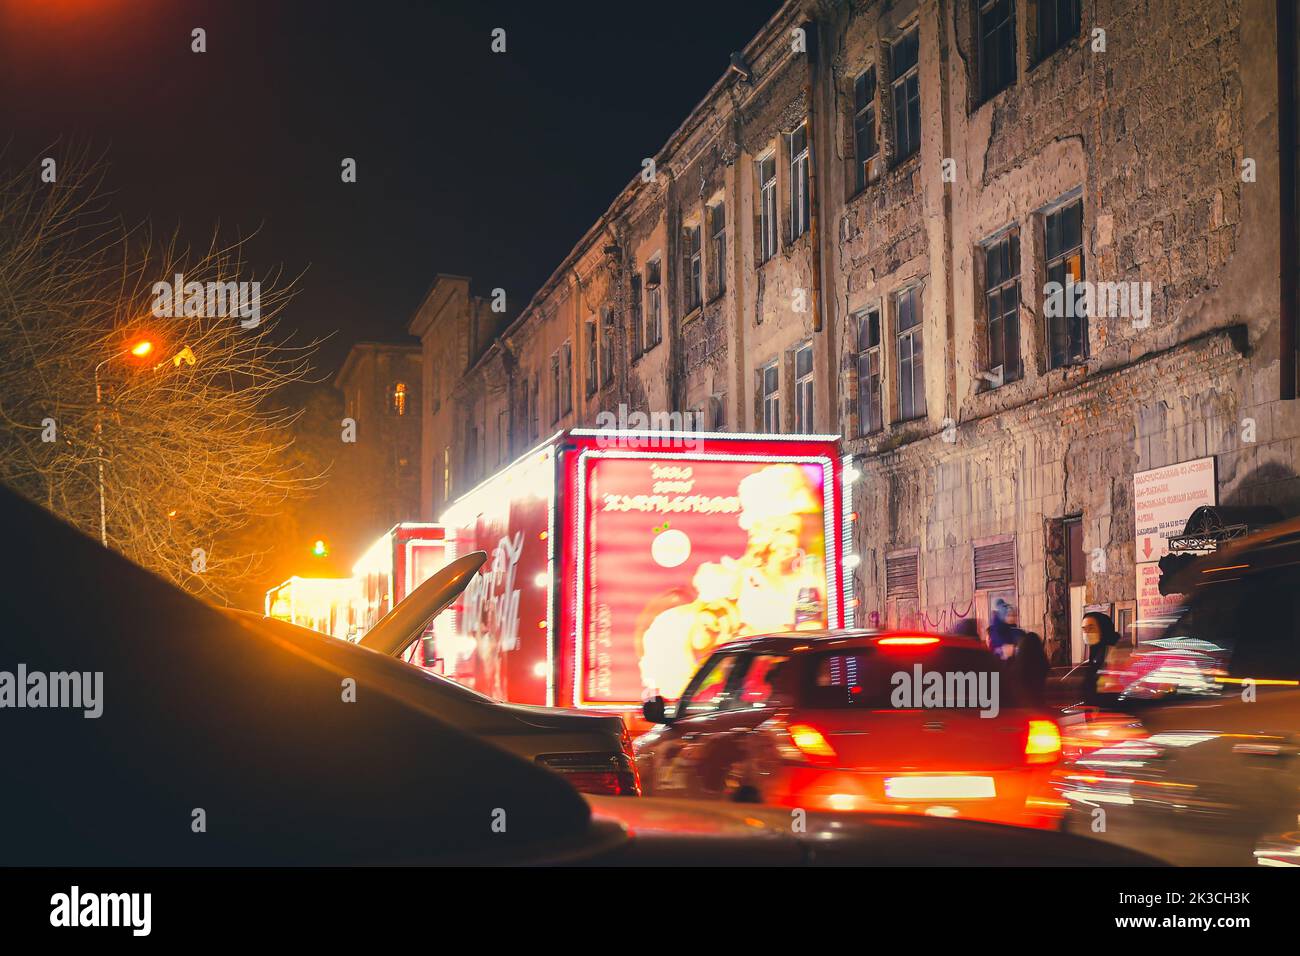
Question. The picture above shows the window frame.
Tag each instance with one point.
(717, 219)
(864, 120)
(867, 424)
(770, 401)
(692, 267)
(910, 387)
(1039, 51)
(800, 186)
(767, 205)
(899, 82)
(989, 288)
(1062, 258)
(986, 85)
(804, 390)
(654, 304)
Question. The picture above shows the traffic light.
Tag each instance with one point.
(320, 549)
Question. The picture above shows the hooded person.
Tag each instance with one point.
(1003, 633)
(1100, 634)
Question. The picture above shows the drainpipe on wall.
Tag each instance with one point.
(814, 232)
(1286, 169)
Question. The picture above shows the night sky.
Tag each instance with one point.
(469, 162)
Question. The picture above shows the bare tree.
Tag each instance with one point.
(193, 445)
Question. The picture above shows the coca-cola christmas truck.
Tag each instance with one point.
(619, 560)
(397, 563)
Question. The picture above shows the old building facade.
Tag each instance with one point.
(382, 385)
(864, 227)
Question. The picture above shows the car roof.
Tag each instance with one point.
(797, 642)
(1275, 546)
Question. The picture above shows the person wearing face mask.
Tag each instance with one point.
(1099, 631)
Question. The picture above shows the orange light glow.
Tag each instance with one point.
(907, 641)
(810, 741)
(1043, 744)
(142, 348)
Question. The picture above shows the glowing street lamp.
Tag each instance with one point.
(140, 348)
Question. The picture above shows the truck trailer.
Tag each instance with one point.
(619, 560)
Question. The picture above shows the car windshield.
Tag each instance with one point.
(885, 679)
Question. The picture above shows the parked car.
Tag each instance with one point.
(811, 720)
(225, 741)
(593, 752)
(1215, 779)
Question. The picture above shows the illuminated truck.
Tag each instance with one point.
(619, 560)
(322, 604)
(394, 566)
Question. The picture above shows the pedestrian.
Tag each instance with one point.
(1100, 634)
(1028, 669)
(1003, 633)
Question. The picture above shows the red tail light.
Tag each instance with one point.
(1043, 742)
(608, 774)
(810, 742)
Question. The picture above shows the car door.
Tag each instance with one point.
(681, 743)
(723, 758)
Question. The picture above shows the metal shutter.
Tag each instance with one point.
(901, 577)
(995, 566)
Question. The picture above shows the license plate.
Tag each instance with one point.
(939, 788)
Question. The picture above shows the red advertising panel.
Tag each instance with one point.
(495, 639)
(683, 553)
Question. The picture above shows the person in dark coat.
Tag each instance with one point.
(1099, 631)
(1028, 670)
(967, 627)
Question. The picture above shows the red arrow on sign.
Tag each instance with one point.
(1146, 547)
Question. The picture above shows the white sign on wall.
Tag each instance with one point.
(1163, 500)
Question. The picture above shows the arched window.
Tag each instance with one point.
(398, 399)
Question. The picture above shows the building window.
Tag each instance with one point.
(1067, 320)
(803, 390)
(397, 403)
(997, 50)
(638, 331)
(718, 242)
(870, 409)
(904, 68)
(1054, 23)
(800, 210)
(591, 343)
(446, 473)
(911, 365)
(1002, 306)
(865, 145)
(769, 386)
(766, 207)
(606, 345)
(654, 304)
(692, 267)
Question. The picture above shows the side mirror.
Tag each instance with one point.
(653, 710)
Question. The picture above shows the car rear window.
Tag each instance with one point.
(865, 677)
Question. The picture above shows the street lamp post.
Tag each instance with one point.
(140, 350)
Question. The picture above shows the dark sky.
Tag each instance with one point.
(470, 162)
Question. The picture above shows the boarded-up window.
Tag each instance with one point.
(901, 577)
(995, 566)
